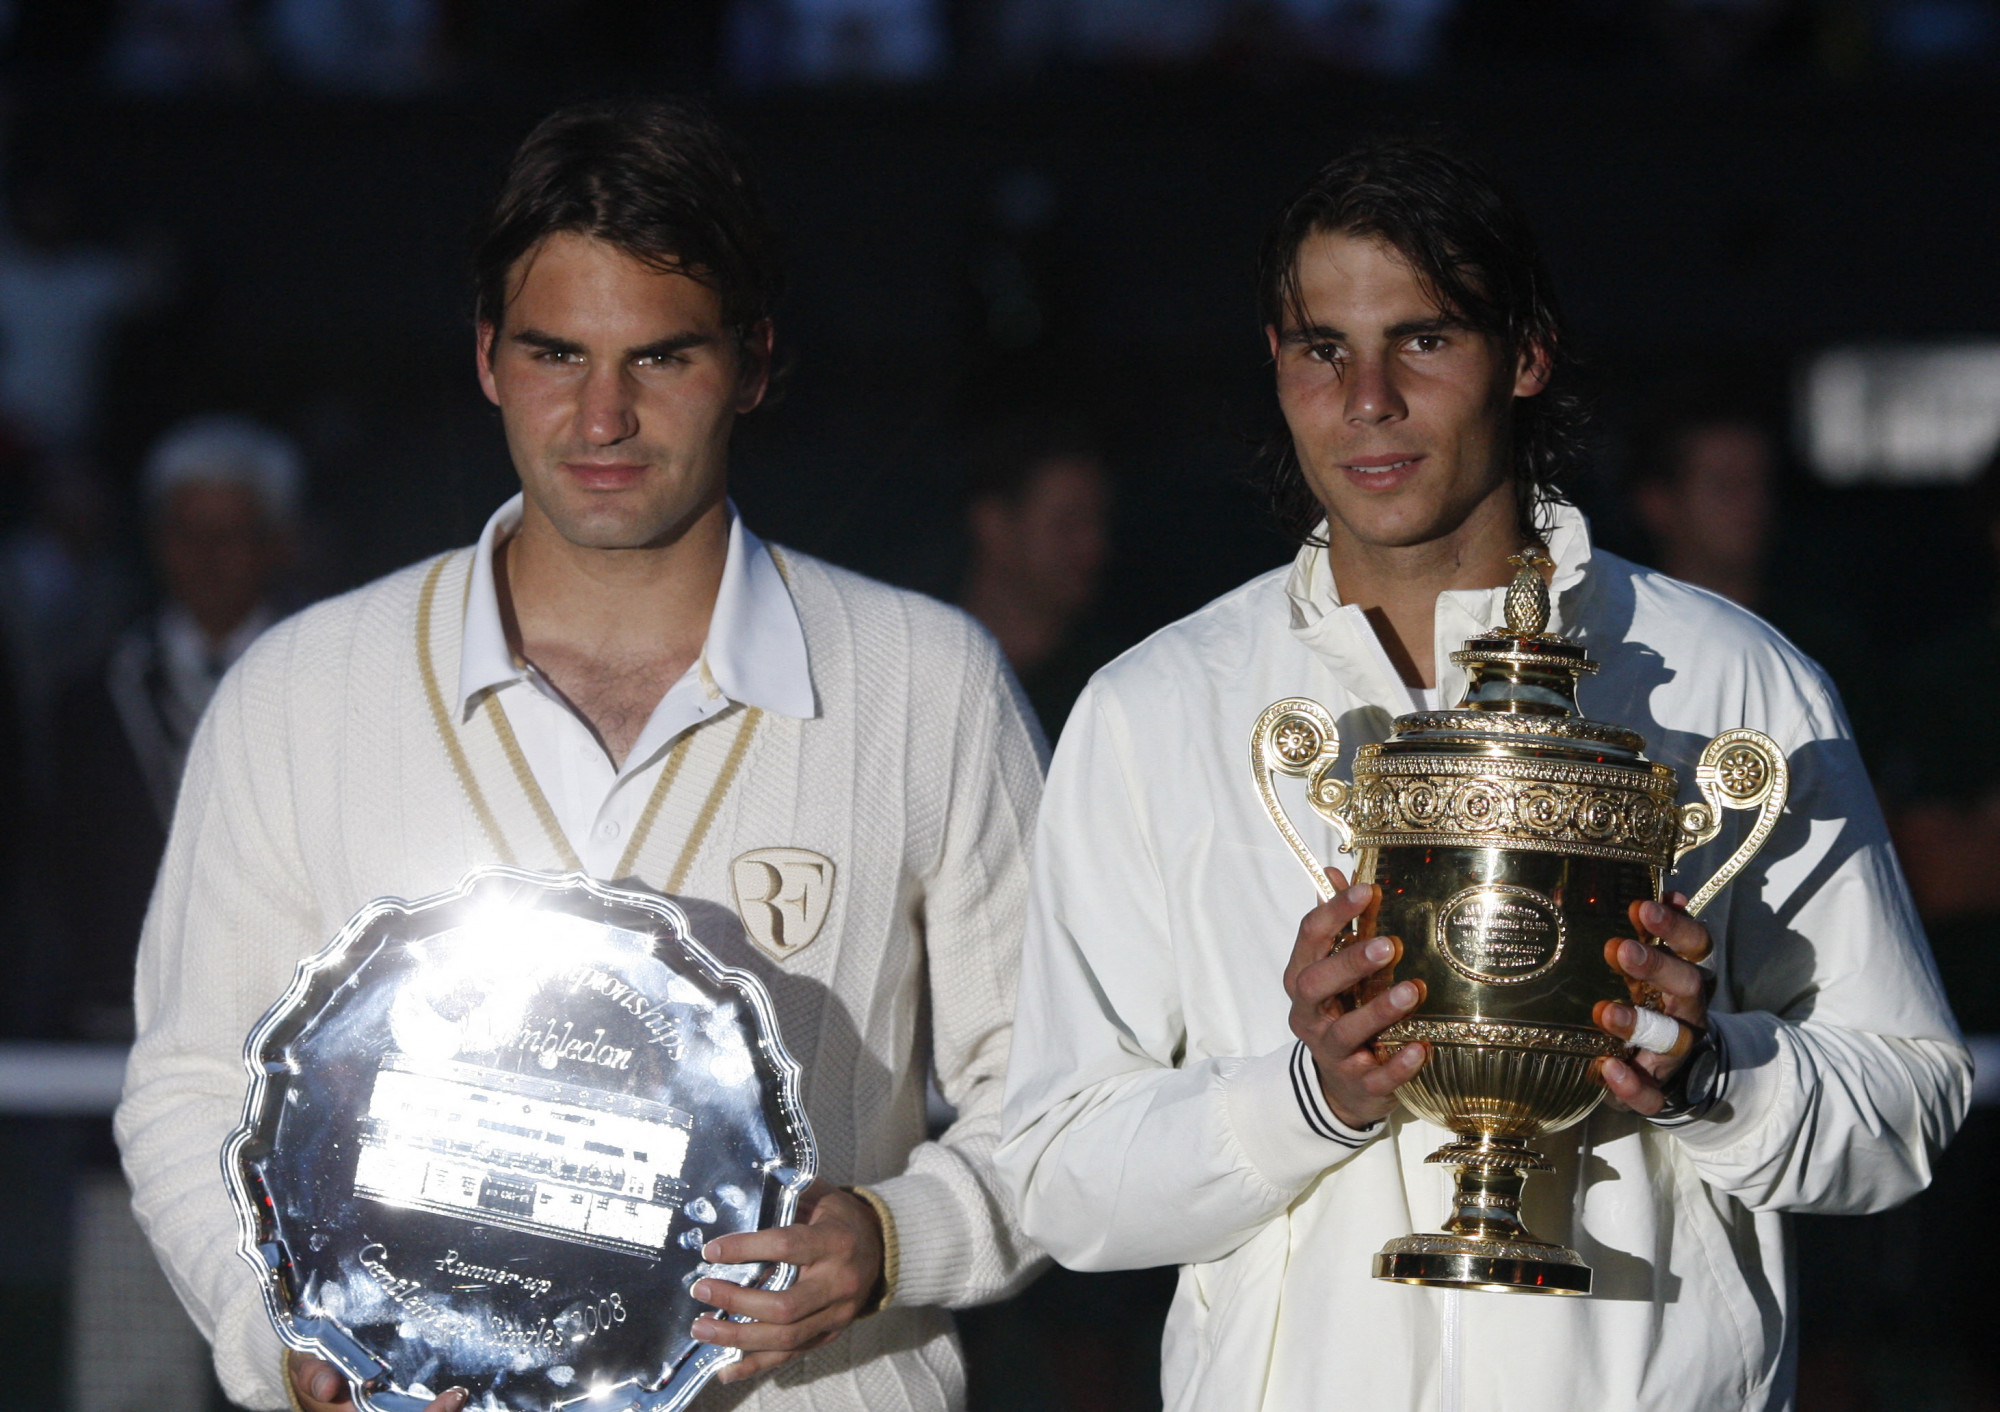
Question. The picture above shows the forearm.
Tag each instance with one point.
(1828, 1119)
(957, 1241)
(1170, 1166)
(178, 1108)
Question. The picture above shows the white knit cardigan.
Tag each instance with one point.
(320, 780)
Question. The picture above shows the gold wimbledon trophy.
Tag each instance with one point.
(1510, 838)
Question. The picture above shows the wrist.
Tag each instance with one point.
(884, 1291)
(1692, 1090)
(1322, 1115)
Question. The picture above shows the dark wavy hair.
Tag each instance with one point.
(1477, 257)
(660, 180)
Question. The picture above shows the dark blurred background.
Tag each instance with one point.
(1026, 375)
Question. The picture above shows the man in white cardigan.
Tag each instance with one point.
(836, 779)
(1187, 1086)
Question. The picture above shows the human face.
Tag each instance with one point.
(1050, 546)
(1724, 500)
(1400, 413)
(217, 552)
(618, 386)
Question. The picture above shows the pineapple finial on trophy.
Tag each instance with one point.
(1528, 594)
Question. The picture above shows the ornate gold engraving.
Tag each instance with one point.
(1502, 1034)
(1484, 723)
(1499, 833)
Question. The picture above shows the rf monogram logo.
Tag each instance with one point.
(782, 896)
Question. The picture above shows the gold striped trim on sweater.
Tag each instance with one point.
(738, 748)
(510, 746)
(460, 766)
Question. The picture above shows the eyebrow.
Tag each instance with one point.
(659, 348)
(1409, 328)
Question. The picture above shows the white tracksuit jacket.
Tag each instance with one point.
(1152, 1115)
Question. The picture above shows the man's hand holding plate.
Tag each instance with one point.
(837, 1246)
(318, 1386)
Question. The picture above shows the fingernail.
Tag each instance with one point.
(1633, 954)
(1653, 914)
(457, 1396)
(1403, 996)
(709, 1251)
(697, 1331)
(1613, 1069)
(326, 1387)
(1379, 949)
(1361, 894)
(702, 1290)
(1620, 1017)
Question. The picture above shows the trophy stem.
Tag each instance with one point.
(1485, 1246)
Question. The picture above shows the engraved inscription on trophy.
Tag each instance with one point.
(1500, 934)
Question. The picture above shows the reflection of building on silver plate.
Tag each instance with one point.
(576, 1164)
(429, 1197)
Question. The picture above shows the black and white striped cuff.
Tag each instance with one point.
(1319, 1117)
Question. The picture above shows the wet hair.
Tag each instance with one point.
(659, 180)
(1476, 255)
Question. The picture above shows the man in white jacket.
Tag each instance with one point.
(834, 777)
(1186, 1086)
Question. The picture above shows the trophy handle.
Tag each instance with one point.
(1297, 737)
(1739, 769)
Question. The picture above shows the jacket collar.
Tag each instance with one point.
(755, 653)
(1341, 636)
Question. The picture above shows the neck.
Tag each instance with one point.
(1397, 586)
(1027, 629)
(217, 626)
(624, 602)
(612, 629)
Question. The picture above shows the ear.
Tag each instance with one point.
(754, 376)
(1271, 340)
(1531, 371)
(482, 353)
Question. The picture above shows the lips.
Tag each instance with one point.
(605, 475)
(1384, 472)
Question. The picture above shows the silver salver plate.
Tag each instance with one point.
(488, 1133)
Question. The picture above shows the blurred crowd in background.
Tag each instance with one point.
(1022, 373)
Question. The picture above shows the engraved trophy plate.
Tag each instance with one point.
(1510, 838)
(488, 1133)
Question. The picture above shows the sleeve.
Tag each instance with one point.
(1844, 1074)
(1121, 1150)
(230, 915)
(958, 1243)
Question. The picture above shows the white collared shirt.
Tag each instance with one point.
(755, 655)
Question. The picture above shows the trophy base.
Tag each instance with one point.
(1467, 1262)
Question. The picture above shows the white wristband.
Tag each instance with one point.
(1654, 1031)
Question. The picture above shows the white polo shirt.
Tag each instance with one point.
(755, 655)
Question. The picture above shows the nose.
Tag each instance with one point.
(1372, 395)
(608, 410)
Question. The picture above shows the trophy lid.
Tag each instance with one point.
(1521, 681)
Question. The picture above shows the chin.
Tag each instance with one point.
(602, 527)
